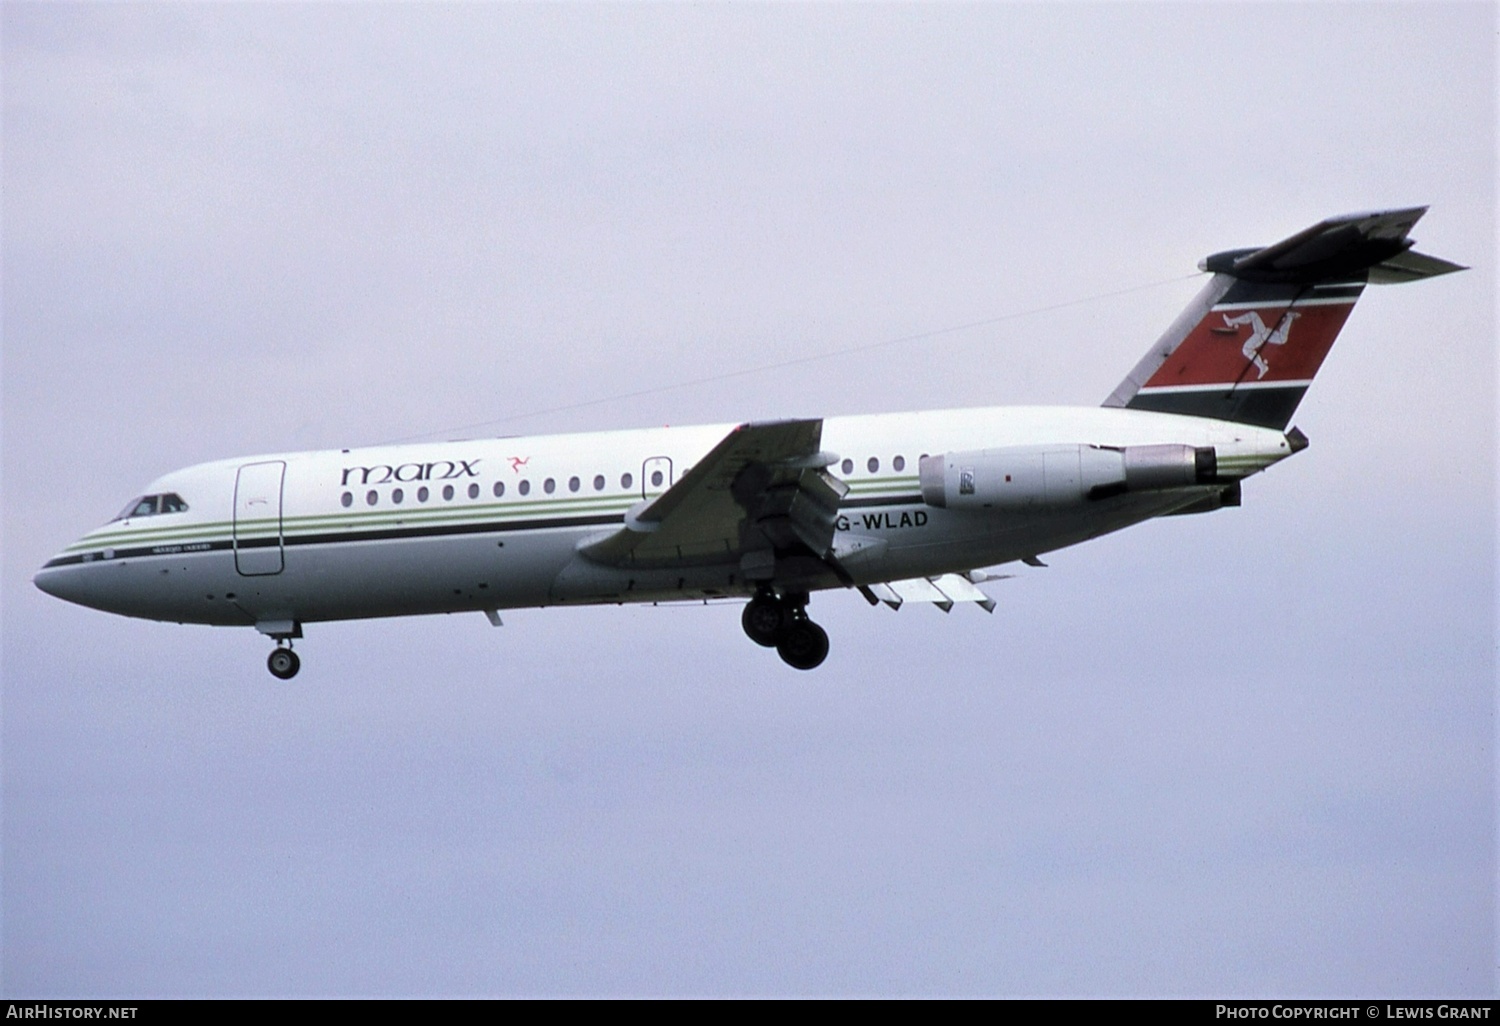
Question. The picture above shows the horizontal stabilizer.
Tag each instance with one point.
(1411, 266)
(1337, 249)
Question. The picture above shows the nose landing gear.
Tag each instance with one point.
(283, 662)
(781, 622)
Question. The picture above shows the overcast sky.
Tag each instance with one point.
(1237, 754)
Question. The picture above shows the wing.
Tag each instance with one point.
(761, 491)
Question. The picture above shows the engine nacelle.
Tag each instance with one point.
(1045, 476)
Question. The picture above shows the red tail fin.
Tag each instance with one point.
(1247, 347)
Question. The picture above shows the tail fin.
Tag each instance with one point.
(1248, 345)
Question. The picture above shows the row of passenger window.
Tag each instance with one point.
(523, 487)
(873, 465)
(575, 484)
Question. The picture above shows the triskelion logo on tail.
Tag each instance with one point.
(1261, 336)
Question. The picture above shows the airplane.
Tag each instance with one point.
(905, 507)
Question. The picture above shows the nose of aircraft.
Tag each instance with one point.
(57, 582)
(71, 582)
(46, 581)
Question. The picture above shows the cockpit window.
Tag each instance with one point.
(150, 505)
(142, 507)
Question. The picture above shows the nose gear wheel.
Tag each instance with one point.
(283, 663)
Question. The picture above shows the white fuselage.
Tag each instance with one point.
(493, 524)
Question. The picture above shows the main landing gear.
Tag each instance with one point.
(283, 662)
(781, 623)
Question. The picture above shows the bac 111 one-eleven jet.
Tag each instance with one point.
(906, 507)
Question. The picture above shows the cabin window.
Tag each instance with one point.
(524, 487)
(422, 494)
(549, 486)
(447, 493)
(347, 500)
(598, 482)
(499, 489)
(899, 463)
(397, 495)
(847, 467)
(656, 479)
(572, 484)
(874, 464)
(371, 497)
(473, 491)
(626, 481)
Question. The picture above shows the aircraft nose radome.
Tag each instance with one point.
(66, 583)
(51, 582)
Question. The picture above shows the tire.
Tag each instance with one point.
(765, 621)
(804, 646)
(283, 663)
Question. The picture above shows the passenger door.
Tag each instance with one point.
(257, 518)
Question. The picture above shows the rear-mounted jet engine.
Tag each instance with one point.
(1038, 476)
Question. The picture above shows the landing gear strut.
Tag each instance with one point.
(283, 662)
(781, 622)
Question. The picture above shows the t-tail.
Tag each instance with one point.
(1248, 345)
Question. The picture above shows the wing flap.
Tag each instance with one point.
(920, 589)
(961, 589)
(943, 591)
